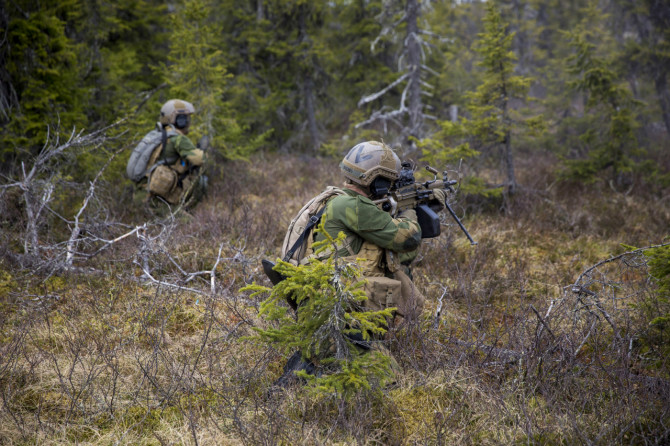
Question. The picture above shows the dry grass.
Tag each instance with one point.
(105, 355)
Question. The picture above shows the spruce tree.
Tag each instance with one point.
(609, 139)
(41, 76)
(197, 73)
(493, 119)
(330, 311)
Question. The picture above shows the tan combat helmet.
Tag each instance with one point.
(174, 108)
(369, 160)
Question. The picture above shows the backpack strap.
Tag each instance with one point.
(154, 161)
(313, 220)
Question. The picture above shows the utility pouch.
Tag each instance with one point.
(163, 181)
(382, 292)
(412, 301)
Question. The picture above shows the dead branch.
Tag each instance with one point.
(38, 192)
(612, 259)
(383, 91)
(212, 276)
(76, 230)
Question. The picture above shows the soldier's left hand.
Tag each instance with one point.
(437, 204)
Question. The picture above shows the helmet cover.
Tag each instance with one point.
(174, 107)
(368, 160)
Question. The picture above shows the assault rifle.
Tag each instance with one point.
(407, 193)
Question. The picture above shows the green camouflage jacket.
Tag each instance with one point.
(361, 220)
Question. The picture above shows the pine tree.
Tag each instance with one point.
(493, 119)
(657, 308)
(610, 138)
(197, 72)
(41, 77)
(330, 310)
(125, 41)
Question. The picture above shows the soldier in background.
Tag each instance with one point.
(174, 174)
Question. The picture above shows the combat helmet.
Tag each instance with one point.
(177, 113)
(368, 161)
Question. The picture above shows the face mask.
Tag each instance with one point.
(182, 121)
(380, 187)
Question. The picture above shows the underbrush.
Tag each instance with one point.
(529, 337)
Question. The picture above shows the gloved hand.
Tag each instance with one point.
(437, 204)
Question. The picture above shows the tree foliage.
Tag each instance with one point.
(492, 117)
(610, 140)
(42, 73)
(657, 308)
(291, 75)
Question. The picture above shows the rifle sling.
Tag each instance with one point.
(313, 220)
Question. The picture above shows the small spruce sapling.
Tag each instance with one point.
(331, 309)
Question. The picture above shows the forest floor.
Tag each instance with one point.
(526, 337)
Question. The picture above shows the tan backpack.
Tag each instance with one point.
(297, 241)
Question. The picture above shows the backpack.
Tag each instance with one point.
(297, 240)
(146, 152)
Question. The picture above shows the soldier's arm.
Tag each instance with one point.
(401, 234)
(188, 151)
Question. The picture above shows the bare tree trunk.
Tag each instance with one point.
(308, 87)
(260, 15)
(311, 114)
(508, 158)
(661, 84)
(509, 164)
(414, 69)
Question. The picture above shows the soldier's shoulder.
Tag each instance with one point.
(342, 200)
(183, 142)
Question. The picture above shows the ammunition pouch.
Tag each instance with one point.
(412, 301)
(163, 182)
(368, 259)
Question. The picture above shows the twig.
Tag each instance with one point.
(76, 230)
(611, 259)
(438, 310)
(544, 324)
(212, 276)
(168, 284)
(383, 91)
(586, 338)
